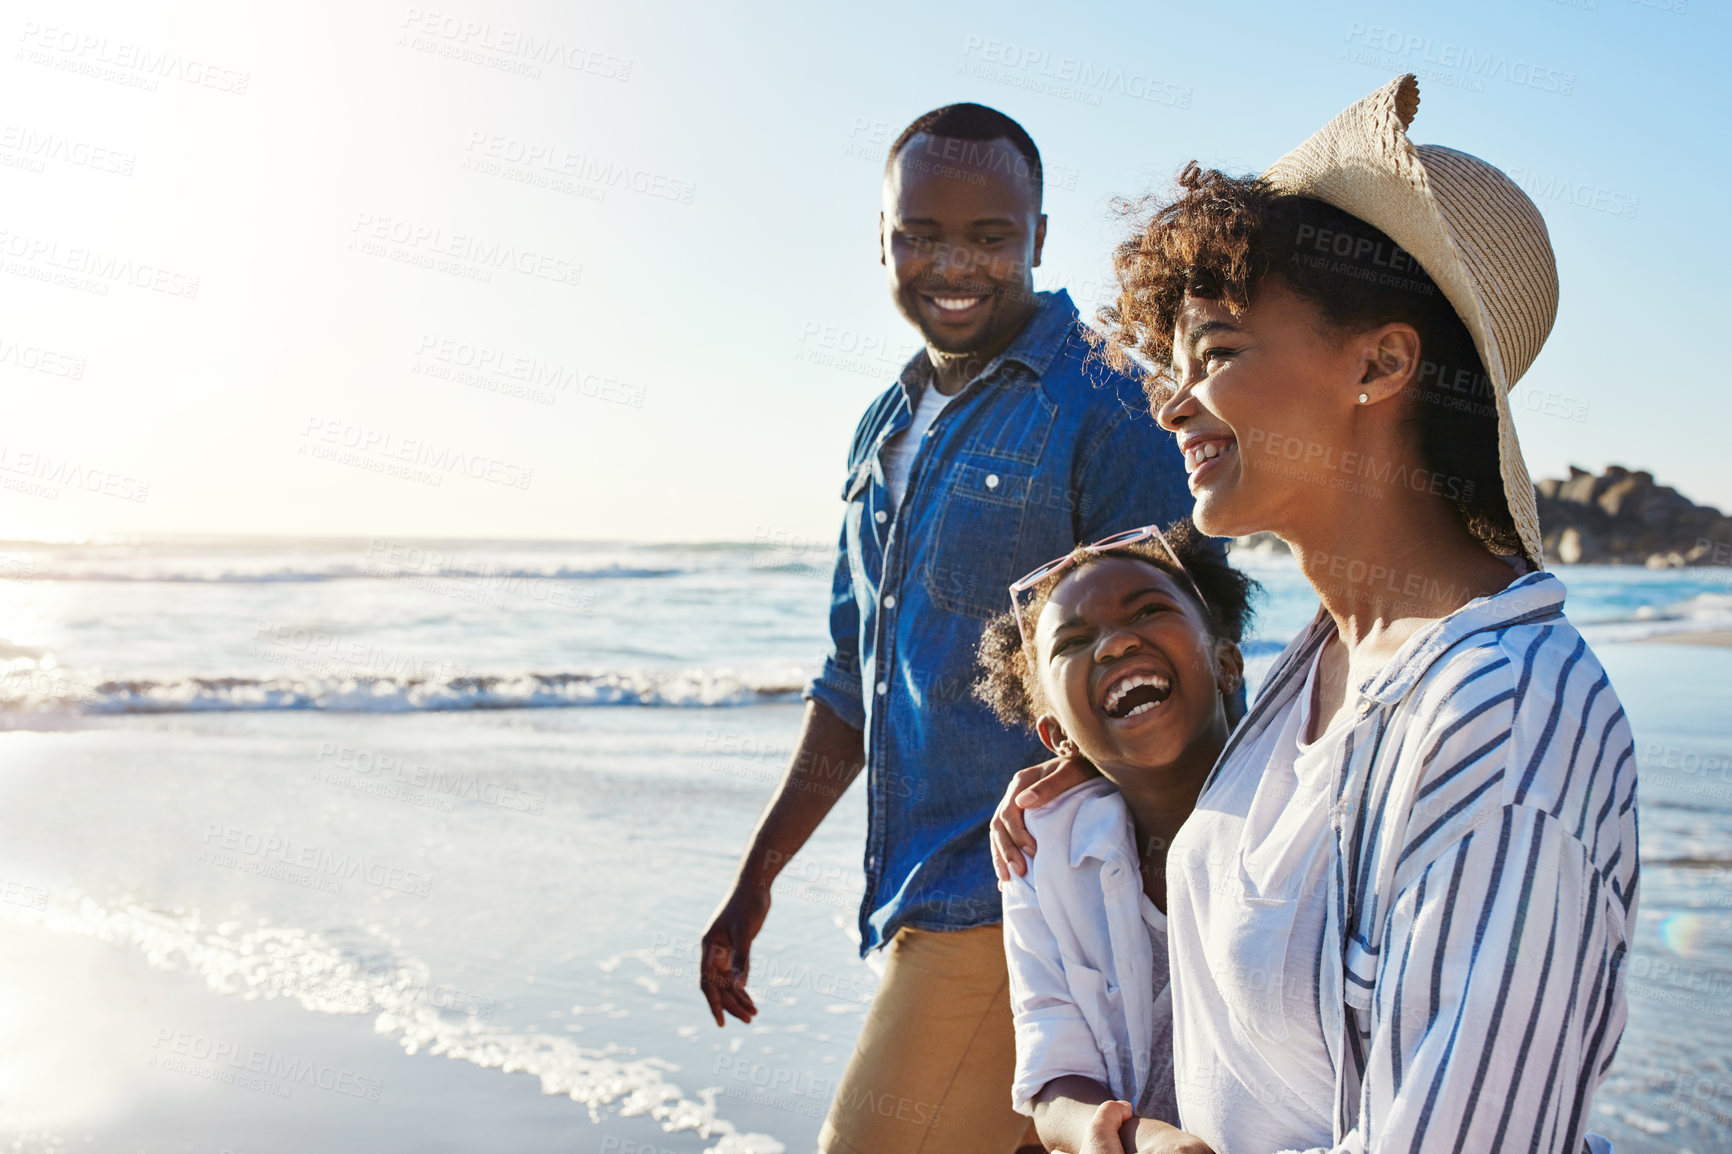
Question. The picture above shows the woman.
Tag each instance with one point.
(1400, 913)
(1125, 651)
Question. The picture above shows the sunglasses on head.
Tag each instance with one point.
(1104, 545)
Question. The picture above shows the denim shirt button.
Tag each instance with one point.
(883, 688)
(881, 516)
(992, 480)
(890, 601)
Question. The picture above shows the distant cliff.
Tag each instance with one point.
(1618, 518)
(1623, 517)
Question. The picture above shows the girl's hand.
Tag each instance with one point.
(1103, 1135)
(1031, 788)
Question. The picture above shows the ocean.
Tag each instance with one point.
(392, 844)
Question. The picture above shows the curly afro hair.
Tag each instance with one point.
(1009, 687)
(1217, 236)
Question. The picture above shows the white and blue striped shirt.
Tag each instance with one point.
(1479, 893)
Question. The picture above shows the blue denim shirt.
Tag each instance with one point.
(1046, 448)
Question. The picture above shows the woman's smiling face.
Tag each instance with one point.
(1129, 667)
(1265, 402)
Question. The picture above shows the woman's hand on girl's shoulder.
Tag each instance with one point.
(1031, 788)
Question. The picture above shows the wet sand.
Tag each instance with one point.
(1720, 639)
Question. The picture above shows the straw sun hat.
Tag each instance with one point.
(1466, 223)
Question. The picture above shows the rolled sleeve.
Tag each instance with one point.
(1053, 1039)
(838, 685)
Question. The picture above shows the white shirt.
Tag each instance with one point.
(1087, 956)
(1481, 887)
(1247, 888)
(899, 451)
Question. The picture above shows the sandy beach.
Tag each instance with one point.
(1719, 638)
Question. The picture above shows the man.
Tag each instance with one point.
(1003, 445)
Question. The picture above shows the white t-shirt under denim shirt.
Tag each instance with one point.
(1246, 884)
(1087, 954)
(899, 451)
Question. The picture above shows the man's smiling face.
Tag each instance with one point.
(960, 235)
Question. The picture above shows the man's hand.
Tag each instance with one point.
(726, 956)
(1031, 788)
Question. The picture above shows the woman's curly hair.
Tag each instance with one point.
(1217, 236)
(1008, 685)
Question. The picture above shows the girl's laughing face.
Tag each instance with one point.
(1129, 667)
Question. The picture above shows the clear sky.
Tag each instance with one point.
(263, 266)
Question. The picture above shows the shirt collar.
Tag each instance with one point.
(1536, 596)
(1035, 347)
(1100, 823)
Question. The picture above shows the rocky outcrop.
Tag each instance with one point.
(1622, 517)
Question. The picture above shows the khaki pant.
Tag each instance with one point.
(933, 1066)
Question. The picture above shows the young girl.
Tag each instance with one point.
(1125, 653)
(1400, 915)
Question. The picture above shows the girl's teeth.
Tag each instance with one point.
(1118, 692)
